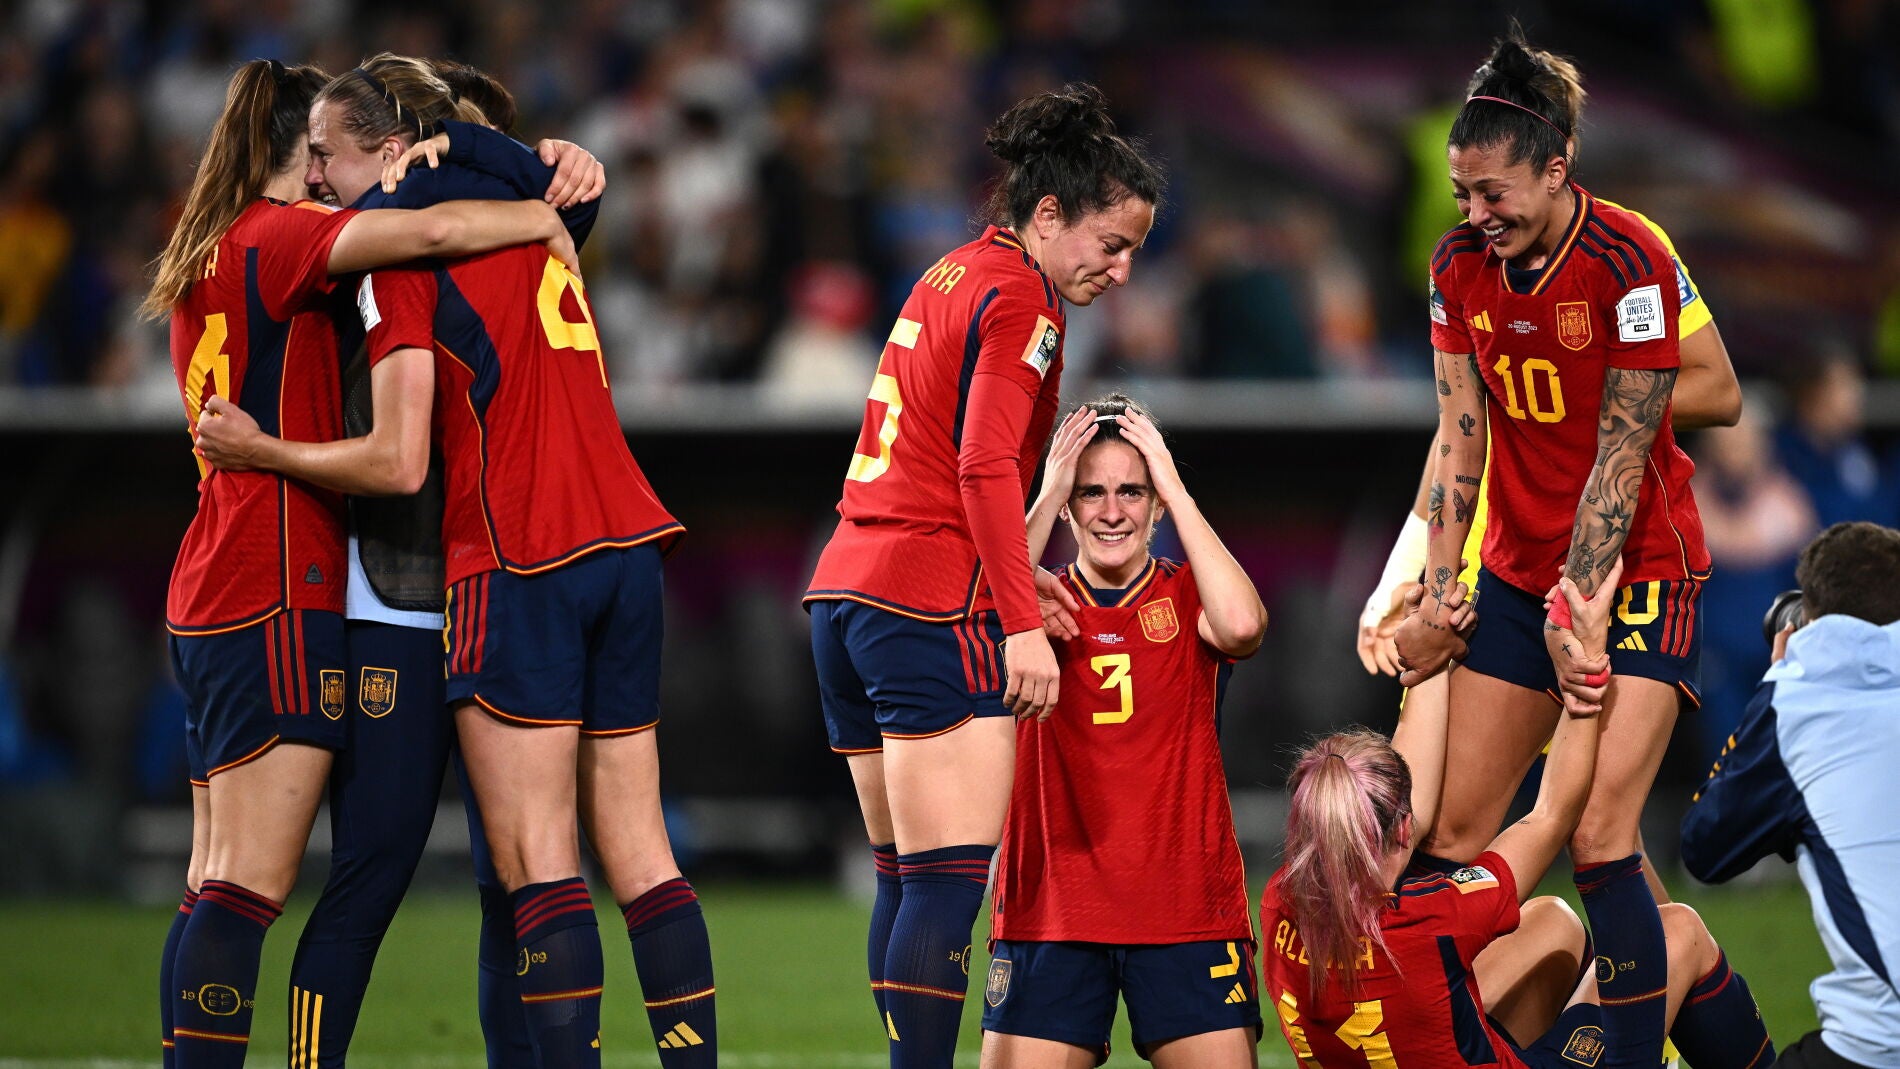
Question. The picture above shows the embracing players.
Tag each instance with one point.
(925, 624)
(1119, 870)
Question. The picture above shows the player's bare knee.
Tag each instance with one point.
(1456, 841)
(1692, 950)
(1596, 841)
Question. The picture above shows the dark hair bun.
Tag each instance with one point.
(1055, 122)
(1513, 63)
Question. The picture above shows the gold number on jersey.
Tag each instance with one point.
(563, 333)
(880, 427)
(209, 372)
(1626, 609)
(1361, 1032)
(1530, 372)
(1113, 668)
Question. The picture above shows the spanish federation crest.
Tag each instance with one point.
(1158, 621)
(377, 694)
(330, 692)
(1573, 324)
(1585, 1046)
(997, 989)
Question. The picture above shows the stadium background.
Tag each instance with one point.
(779, 172)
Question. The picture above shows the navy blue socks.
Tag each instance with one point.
(674, 959)
(214, 975)
(890, 893)
(558, 971)
(1632, 961)
(167, 994)
(927, 967)
(1719, 1026)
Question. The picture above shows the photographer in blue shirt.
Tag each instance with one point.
(1809, 775)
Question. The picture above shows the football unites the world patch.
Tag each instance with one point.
(1639, 315)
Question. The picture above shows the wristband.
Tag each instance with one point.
(1597, 680)
(1404, 564)
(1560, 611)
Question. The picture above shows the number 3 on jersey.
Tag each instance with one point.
(1113, 668)
(882, 409)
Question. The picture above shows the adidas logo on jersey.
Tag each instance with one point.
(1235, 997)
(1633, 642)
(1482, 321)
(680, 1035)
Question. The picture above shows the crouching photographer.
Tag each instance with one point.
(1809, 775)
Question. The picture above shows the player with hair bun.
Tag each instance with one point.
(1125, 774)
(256, 598)
(1373, 958)
(926, 628)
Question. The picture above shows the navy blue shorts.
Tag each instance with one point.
(247, 690)
(1654, 633)
(395, 690)
(578, 646)
(883, 675)
(1065, 992)
(1575, 1040)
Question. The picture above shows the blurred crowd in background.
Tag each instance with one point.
(780, 171)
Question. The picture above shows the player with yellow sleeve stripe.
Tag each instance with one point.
(1706, 395)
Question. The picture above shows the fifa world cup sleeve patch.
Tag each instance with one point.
(366, 303)
(1041, 351)
(1473, 878)
(1438, 303)
(1639, 315)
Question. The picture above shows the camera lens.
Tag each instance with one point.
(1784, 611)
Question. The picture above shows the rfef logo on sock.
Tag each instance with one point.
(219, 1000)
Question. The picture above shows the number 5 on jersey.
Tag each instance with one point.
(882, 409)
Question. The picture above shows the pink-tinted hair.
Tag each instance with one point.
(1351, 792)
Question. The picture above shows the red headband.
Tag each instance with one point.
(1523, 109)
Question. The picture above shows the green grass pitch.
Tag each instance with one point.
(77, 985)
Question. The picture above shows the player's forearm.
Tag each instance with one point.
(1635, 403)
(1002, 544)
(456, 228)
(1452, 497)
(1041, 522)
(1421, 738)
(372, 465)
(1236, 618)
(1568, 772)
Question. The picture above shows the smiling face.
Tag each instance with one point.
(1086, 256)
(1112, 511)
(1514, 204)
(340, 170)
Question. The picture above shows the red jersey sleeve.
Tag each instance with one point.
(1446, 302)
(1019, 345)
(1487, 898)
(1644, 313)
(293, 259)
(398, 310)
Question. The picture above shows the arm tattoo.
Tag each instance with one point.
(1444, 450)
(1461, 509)
(1435, 507)
(1465, 480)
(1634, 404)
(1444, 388)
(1466, 423)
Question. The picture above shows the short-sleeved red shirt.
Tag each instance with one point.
(1542, 340)
(1418, 1003)
(255, 329)
(1119, 825)
(536, 467)
(962, 404)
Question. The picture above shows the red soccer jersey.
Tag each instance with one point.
(536, 468)
(255, 329)
(1417, 1006)
(1607, 298)
(1119, 827)
(963, 402)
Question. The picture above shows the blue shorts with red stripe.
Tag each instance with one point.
(1575, 1039)
(1654, 633)
(883, 675)
(280, 680)
(1065, 992)
(577, 646)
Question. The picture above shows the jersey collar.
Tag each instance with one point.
(1536, 282)
(1113, 597)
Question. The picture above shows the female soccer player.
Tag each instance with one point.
(1119, 868)
(257, 594)
(925, 624)
(553, 540)
(1549, 304)
(1368, 965)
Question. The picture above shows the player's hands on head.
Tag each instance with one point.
(578, 176)
(1576, 634)
(1065, 450)
(1030, 674)
(1433, 633)
(1057, 604)
(1146, 438)
(1378, 624)
(429, 151)
(227, 436)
